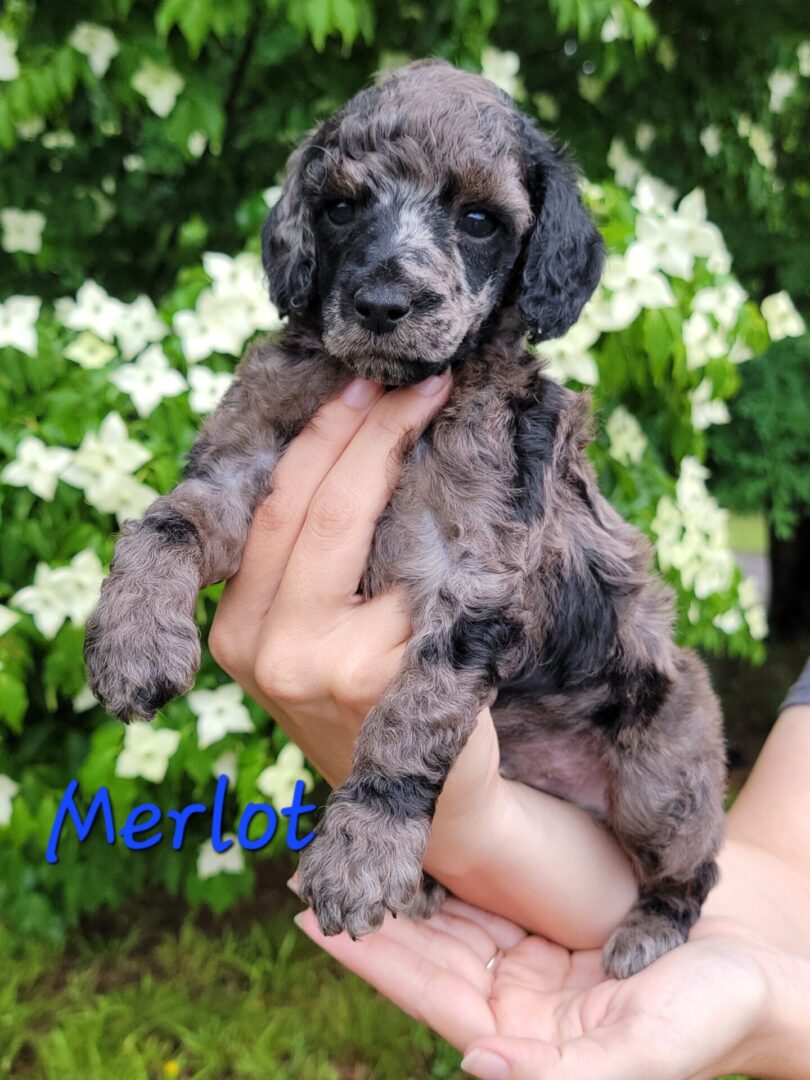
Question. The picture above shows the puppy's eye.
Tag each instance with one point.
(340, 213)
(478, 223)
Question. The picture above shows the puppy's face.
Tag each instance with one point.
(416, 213)
(406, 276)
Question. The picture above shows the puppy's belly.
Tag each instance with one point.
(562, 763)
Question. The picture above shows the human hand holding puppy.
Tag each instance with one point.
(292, 630)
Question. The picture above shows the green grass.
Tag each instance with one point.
(749, 533)
(155, 995)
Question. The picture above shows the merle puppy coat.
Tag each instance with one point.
(428, 223)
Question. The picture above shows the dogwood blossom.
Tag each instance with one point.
(211, 862)
(723, 302)
(225, 765)
(58, 140)
(160, 86)
(124, 496)
(803, 56)
(84, 700)
(626, 169)
(729, 621)
(88, 351)
(781, 316)
(22, 230)
(753, 608)
(37, 467)
(710, 140)
(148, 380)
(30, 129)
(208, 329)
(93, 309)
(219, 713)
(8, 618)
(568, 356)
(98, 43)
(196, 143)
(702, 341)
(207, 388)
(8, 789)
(781, 85)
(62, 592)
(653, 196)
(102, 467)
(706, 410)
(278, 781)
(634, 283)
(18, 317)
(627, 441)
(146, 752)
(137, 326)
(9, 65)
(502, 69)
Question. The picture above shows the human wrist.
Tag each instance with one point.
(779, 1045)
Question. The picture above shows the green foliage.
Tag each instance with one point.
(762, 459)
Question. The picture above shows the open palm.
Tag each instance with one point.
(544, 1012)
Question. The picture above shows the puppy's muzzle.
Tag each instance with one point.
(381, 307)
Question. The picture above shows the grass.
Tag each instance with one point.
(154, 995)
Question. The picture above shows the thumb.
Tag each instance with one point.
(501, 1058)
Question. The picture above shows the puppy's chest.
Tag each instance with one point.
(453, 512)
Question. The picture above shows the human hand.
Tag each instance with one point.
(540, 1011)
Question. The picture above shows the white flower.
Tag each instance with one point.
(757, 622)
(58, 140)
(645, 136)
(271, 195)
(729, 621)
(627, 441)
(37, 467)
(8, 789)
(723, 301)
(84, 700)
(8, 618)
(29, 129)
(710, 140)
(634, 284)
(146, 752)
(502, 68)
(702, 341)
(159, 85)
(119, 494)
(665, 241)
(138, 325)
(761, 143)
(9, 65)
(225, 765)
(207, 388)
(98, 43)
(22, 230)
(705, 409)
(109, 450)
(643, 3)
(93, 309)
(611, 30)
(803, 55)
(748, 592)
(88, 351)
(210, 328)
(196, 143)
(18, 316)
(133, 162)
(210, 862)
(148, 380)
(278, 781)
(219, 713)
(63, 592)
(568, 356)
(653, 196)
(627, 170)
(781, 316)
(781, 85)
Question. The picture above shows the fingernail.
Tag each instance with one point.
(292, 885)
(299, 920)
(359, 393)
(430, 386)
(486, 1065)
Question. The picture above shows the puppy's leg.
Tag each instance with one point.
(666, 809)
(141, 646)
(367, 854)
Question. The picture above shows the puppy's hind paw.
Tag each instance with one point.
(635, 945)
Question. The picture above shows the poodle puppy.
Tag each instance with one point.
(429, 224)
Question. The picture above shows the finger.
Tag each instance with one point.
(472, 934)
(501, 1058)
(278, 519)
(385, 621)
(430, 994)
(504, 933)
(332, 550)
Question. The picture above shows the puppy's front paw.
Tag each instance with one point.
(140, 650)
(639, 942)
(359, 865)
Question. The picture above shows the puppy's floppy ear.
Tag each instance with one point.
(288, 243)
(564, 251)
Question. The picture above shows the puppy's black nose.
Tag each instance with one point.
(381, 307)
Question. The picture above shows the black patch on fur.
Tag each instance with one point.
(536, 418)
(635, 699)
(176, 528)
(475, 643)
(405, 798)
(146, 702)
(197, 466)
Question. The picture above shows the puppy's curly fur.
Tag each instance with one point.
(428, 224)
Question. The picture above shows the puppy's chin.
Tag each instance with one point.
(390, 372)
(382, 361)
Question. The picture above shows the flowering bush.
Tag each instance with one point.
(120, 322)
